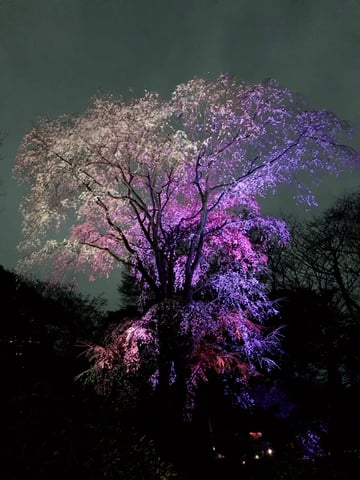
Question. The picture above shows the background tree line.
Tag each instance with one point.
(318, 277)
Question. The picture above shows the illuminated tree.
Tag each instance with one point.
(169, 189)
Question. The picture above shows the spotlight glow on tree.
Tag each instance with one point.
(170, 189)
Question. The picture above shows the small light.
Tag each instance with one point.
(269, 451)
(257, 457)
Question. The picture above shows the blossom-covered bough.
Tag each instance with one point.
(169, 189)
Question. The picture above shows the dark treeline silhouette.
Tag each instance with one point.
(54, 426)
(318, 278)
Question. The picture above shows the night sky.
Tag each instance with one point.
(55, 54)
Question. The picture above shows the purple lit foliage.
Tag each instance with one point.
(168, 189)
(310, 442)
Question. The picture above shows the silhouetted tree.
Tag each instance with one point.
(46, 416)
(318, 276)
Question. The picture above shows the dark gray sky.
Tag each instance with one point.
(55, 54)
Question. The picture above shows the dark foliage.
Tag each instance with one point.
(55, 427)
(317, 276)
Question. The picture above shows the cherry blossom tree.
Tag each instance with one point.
(170, 190)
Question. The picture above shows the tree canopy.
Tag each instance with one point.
(169, 189)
